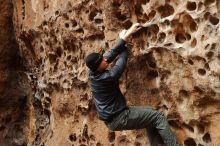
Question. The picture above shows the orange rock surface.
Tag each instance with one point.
(174, 66)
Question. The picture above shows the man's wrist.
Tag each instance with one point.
(126, 36)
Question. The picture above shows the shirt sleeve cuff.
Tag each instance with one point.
(121, 41)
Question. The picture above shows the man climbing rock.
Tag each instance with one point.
(110, 102)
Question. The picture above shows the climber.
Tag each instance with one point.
(110, 102)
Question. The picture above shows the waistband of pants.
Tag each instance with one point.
(114, 116)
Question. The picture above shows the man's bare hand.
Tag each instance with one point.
(134, 28)
(125, 34)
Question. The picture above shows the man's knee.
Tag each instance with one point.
(162, 116)
(160, 119)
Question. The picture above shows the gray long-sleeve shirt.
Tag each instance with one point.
(107, 96)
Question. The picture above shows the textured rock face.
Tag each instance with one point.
(15, 91)
(174, 66)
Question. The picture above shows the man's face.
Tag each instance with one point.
(103, 65)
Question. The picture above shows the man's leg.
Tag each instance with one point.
(153, 136)
(142, 117)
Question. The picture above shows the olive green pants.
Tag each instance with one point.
(155, 122)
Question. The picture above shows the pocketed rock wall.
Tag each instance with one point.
(174, 66)
(15, 91)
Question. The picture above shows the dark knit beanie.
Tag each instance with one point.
(93, 61)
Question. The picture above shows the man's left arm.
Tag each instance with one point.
(117, 70)
(115, 50)
(120, 45)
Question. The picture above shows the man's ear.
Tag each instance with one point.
(106, 60)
